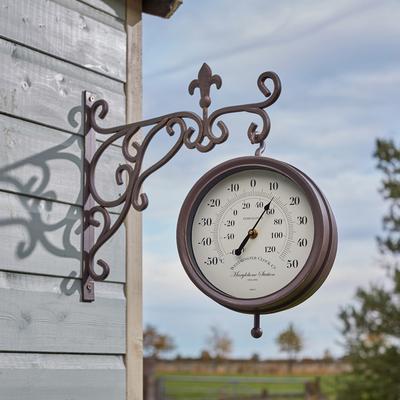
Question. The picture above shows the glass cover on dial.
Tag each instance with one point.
(252, 233)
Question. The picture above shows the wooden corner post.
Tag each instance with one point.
(134, 324)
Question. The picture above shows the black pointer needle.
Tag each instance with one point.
(239, 250)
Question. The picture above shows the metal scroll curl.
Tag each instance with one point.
(202, 132)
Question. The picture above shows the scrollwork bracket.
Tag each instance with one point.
(190, 129)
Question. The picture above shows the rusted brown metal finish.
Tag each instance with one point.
(317, 266)
(190, 130)
(87, 293)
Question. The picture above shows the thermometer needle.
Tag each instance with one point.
(251, 232)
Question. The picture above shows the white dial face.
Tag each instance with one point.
(252, 233)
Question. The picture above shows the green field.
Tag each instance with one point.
(188, 387)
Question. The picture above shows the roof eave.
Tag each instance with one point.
(161, 8)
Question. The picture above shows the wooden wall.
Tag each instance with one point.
(52, 346)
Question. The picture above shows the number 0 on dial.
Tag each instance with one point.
(256, 235)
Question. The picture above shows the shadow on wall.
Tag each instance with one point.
(37, 227)
(38, 218)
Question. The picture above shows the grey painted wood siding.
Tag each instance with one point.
(47, 163)
(61, 377)
(52, 346)
(112, 7)
(44, 237)
(55, 28)
(43, 314)
(46, 90)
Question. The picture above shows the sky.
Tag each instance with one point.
(339, 66)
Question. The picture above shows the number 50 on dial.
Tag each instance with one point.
(256, 235)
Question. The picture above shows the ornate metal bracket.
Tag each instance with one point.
(191, 130)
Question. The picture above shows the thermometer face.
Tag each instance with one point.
(256, 235)
(252, 233)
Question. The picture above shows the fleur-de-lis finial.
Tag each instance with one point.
(204, 81)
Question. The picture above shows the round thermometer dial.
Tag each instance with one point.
(252, 233)
(256, 235)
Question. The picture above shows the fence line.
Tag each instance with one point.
(178, 387)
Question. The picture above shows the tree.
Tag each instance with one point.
(255, 357)
(290, 341)
(371, 326)
(328, 357)
(219, 343)
(205, 355)
(155, 343)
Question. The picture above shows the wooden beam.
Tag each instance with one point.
(133, 223)
(161, 8)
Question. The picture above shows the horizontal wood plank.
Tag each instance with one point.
(44, 237)
(47, 163)
(44, 314)
(61, 31)
(43, 89)
(61, 377)
(115, 8)
(86, 8)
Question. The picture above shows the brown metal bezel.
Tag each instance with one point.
(317, 266)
